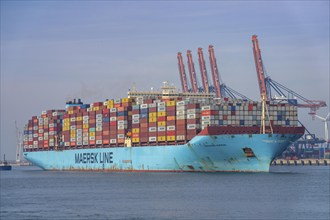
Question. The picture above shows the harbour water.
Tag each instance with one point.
(287, 192)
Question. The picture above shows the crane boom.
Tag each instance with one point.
(215, 73)
(259, 68)
(203, 70)
(183, 75)
(192, 72)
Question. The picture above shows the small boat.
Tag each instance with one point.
(4, 164)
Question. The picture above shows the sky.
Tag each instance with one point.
(54, 51)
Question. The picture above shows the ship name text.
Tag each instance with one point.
(104, 157)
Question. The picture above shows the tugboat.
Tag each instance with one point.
(4, 164)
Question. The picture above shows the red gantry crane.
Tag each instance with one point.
(183, 75)
(266, 84)
(215, 73)
(192, 72)
(203, 70)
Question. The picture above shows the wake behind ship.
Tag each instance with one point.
(162, 131)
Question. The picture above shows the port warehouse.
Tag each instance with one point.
(148, 121)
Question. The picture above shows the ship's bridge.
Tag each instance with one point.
(167, 91)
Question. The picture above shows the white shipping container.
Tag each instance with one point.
(92, 138)
(161, 104)
(122, 122)
(181, 137)
(143, 106)
(161, 109)
(171, 128)
(180, 117)
(121, 136)
(99, 116)
(113, 118)
(113, 110)
(86, 117)
(85, 142)
(136, 121)
(181, 108)
(85, 138)
(73, 119)
(136, 116)
(181, 103)
(99, 142)
(162, 128)
(152, 129)
(98, 128)
(152, 139)
(72, 139)
(113, 141)
(121, 127)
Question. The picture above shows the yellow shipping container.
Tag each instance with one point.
(79, 118)
(66, 124)
(161, 138)
(170, 118)
(66, 128)
(161, 114)
(135, 130)
(91, 133)
(70, 112)
(153, 119)
(170, 103)
(125, 100)
(109, 106)
(72, 135)
(109, 102)
(170, 138)
(161, 123)
(85, 126)
(135, 140)
(96, 108)
(66, 120)
(152, 114)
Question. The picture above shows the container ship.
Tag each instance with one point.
(162, 131)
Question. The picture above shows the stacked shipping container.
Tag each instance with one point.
(143, 122)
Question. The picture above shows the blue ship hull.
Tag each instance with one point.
(209, 153)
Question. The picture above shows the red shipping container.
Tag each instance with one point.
(161, 118)
(152, 124)
(135, 111)
(113, 123)
(153, 134)
(91, 142)
(170, 133)
(153, 109)
(143, 120)
(144, 139)
(170, 123)
(135, 125)
(144, 134)
(105, 111)
(161, 133)
(135, 135)
(106, 141)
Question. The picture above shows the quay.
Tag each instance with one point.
(301, 162)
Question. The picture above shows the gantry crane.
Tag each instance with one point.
(203, 70)
(192, 72)
(215, 72)
(266, 84)
(183, 75)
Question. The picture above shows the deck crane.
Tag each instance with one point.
(215, 73)
(266, 84)
(192, 72)
(183, 75)
(203, 70)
